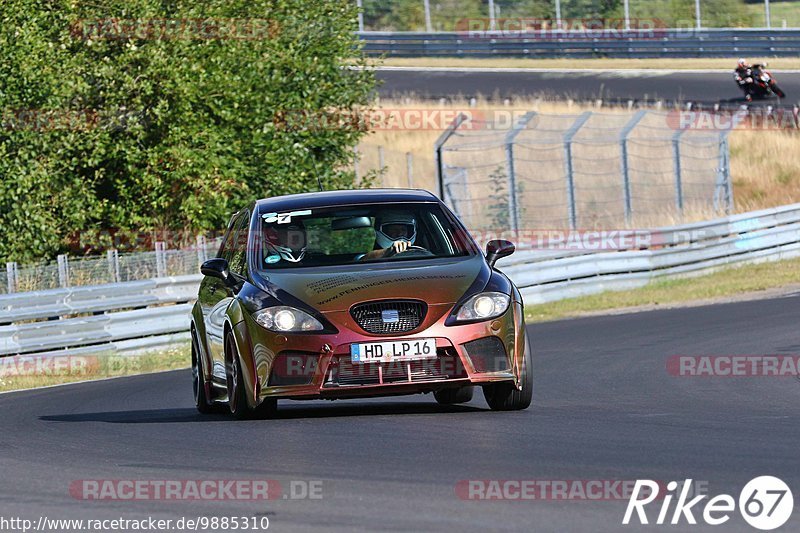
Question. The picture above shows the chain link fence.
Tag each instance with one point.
(456, 15)
(589, 170)
(112, 267)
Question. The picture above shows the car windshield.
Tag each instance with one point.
(360, 234)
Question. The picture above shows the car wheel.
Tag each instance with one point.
(198, 380)
(237, 400)
(453, 396)
(506, 396)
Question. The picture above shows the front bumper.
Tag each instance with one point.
(314, 366)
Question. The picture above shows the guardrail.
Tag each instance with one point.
(111, 318)
(585, 44)
(687, 249)
(142, 315)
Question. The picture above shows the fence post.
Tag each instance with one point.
(113, 265)
(202, 255)
(513, 208)
(623, 144)
(410, 169)
(428, 25)
(382, 165)
(11, 277)
(161, 259)
(724, 187)
(437, 150)
(63, 271)
(676, 164)
(568, 135)
(355, 164)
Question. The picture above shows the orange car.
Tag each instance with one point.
(347, 294)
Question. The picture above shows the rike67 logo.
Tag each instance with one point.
(765, 503)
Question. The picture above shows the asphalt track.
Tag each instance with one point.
(605, 408)
(708, 86)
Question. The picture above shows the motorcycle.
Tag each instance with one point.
(761, 84)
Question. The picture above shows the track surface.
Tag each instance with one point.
(580, 85)
(604, 408)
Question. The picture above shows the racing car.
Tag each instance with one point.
(348, 294)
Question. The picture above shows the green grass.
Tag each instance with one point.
(721, 284)
(18, 375)
(779, 11)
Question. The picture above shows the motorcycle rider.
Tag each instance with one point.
(744, 77)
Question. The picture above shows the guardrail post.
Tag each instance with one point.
(113, 265)
(410, 169)
(161, 259)
(626, 178)
(437, 150)
(513, 209)
(724, 187)
(11, 277)
(568, 135)
(676, 165)
(63, 271)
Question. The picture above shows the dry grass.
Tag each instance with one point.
(765, 165)
(16, 374)
(776, 64)
(753, 281)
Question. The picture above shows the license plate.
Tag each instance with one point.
(386, 352)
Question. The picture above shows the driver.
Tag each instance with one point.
(285, 242)
(394, 233)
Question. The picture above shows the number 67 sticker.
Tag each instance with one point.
(766, 502)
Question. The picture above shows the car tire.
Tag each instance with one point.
(454, 396)
(506, 396)
(199, 380)
(237, 399)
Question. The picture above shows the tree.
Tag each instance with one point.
(183, 98)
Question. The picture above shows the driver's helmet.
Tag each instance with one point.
(395, 226)
(285, 241)
(741, 63)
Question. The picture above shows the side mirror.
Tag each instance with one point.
(498, 249)
(217, 268)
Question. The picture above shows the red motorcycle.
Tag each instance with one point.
(761, 84)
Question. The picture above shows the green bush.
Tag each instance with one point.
(111, 120)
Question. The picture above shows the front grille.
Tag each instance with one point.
(487, 354)
(446, 366)
(390, 316)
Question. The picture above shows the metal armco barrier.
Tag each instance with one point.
(585, 44)
(152, 314)
(550, 275)
(118, 317)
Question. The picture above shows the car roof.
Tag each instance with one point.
(348, 197)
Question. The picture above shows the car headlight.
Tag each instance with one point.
(484, 306)
(285, 318)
